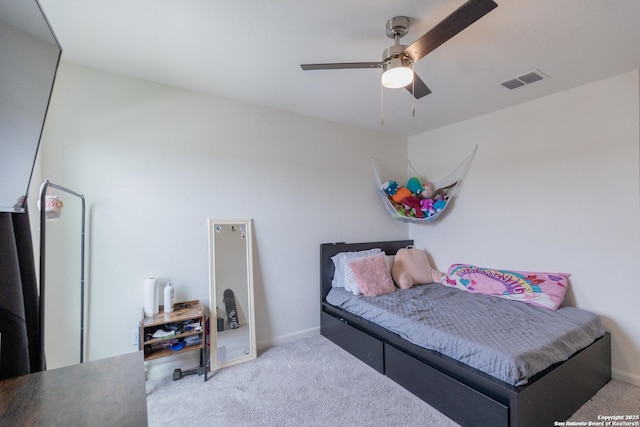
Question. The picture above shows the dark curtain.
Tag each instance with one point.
(21, 351)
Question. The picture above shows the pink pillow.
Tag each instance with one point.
(372, 274)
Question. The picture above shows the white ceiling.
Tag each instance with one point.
(250, 50)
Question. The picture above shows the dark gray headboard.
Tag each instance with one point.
(327, 250)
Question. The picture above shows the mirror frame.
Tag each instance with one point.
(250, 316)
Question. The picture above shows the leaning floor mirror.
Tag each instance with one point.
(232, 320)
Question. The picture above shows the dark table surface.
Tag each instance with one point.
(107, 392)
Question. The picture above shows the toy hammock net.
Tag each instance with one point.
(418, 200)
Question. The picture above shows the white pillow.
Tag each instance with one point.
(389, 259)
(350, 281)
(340, 261)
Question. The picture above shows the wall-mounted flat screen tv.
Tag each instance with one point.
(29, 57)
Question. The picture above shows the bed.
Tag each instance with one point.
(464, 393)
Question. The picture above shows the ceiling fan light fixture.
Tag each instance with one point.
(398, 60)
(397, 73)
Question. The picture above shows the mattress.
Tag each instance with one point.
(509, 340)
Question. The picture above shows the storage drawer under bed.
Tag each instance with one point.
(469, 407)
(361, 345)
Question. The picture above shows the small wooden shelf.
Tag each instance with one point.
(181, 315)
(157, 354)
(176, 336)
(183, 311)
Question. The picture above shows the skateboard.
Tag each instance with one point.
(230, 307)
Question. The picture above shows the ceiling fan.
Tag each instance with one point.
(397, 60)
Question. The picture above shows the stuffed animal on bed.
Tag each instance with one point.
(411, 267)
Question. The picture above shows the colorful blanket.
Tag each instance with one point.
(542, 289)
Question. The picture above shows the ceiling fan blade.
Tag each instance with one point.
(418, 88)
(461, 18)
(340, 66)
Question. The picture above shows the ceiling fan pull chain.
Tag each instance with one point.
(381, 105)
(413, 90)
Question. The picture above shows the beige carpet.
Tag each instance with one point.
(616, 398)
(312, 382)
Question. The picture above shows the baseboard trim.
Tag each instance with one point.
(284, 339)
(625, 376)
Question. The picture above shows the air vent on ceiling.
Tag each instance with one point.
(525, 79)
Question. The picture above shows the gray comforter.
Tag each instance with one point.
(506, 339)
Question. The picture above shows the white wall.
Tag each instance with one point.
(154, 162)
(554, 187)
